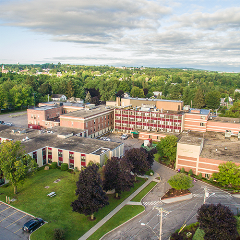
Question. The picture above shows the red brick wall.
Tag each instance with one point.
(214, 126)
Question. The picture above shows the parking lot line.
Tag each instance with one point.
(8, 216)
(16, 221)
(18, 230)
(5, 209)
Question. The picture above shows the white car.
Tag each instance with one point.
(124, 136)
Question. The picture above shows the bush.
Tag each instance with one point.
(190, 172)
(149, 172)
(199, 176)
(64, 167)
(58, 234)
(180, 181)
(54, 165)
(182, 170)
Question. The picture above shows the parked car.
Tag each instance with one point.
(124, 136)
(1, 122)
(32, 225)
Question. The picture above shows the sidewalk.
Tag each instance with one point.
(114, 211)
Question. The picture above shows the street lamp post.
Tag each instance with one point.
(160, 223)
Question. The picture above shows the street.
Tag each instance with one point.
(146, 225)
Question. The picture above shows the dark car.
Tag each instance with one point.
(32, 225)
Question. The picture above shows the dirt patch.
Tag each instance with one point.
(175, 193)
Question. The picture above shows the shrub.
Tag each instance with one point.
(54, 165)
(182, 170)
(149, 172)
(190, 172)
(64, 167)
(180, 181)
(58, 234)
(199, 176)
(199, 234)
(211, 179)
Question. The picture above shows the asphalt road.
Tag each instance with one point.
(146, 225)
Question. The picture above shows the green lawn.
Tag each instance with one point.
(126, 213)
(140, 195)
(33, 199)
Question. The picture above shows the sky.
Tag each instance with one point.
(199, 34)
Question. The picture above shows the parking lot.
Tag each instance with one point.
(18, 119)
(128, 143)
(11, 223)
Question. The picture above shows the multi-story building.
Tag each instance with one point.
(93, 120)
(62, 145)
(150, 120)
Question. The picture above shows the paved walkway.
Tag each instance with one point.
(114, 211)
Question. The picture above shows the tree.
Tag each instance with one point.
(138, 159)
(117, 175)
(228, 175)
(137, 92)
(180, 181)
(88, 97)
(91, 196)
(120, 93)
(167, 148)
(150, 155)
(145, 90)
(199, 101)
(15, 163)
(212, 100)
(217, 221)
(70, 89)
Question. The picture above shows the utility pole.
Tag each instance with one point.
(160, 212)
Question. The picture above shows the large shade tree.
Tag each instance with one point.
(90, 195)
(117, 175)
(15, 163)
(138, 161)
(167, 149)
(217, 221)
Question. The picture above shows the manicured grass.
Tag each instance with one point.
(140, 195)
(32, 198)
(126, 213)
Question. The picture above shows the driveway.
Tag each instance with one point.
(146, 225)
(11, 223)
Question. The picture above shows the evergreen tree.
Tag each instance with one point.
(88, 97)
(91, 196)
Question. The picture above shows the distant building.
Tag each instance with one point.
(59, 97)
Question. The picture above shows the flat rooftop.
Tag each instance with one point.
(191, 140)
(39, 139)
(44, 108)
(224, 119)
(215, 145)
(153, 100)
(84, 113)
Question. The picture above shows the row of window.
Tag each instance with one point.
(138, 125)
(99, 120)
(153, 129)
(147, 114)
(60, 157)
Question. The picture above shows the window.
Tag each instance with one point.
(60, 158)
(207, 175)
(202, 124)
(146, 114)
(71, 160)
(49, 155)
(44, 155)
(83, 160)
(86, 124)
(154, 114)
(117, 117)
(161, 115)
(35, 156)
(94, 121)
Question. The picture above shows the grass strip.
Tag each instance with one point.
(123, 215)
(143, 193)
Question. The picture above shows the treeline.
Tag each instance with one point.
(197, 88)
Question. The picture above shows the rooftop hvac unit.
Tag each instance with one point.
(228, 133)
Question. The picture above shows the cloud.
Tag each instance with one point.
(83, 21)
